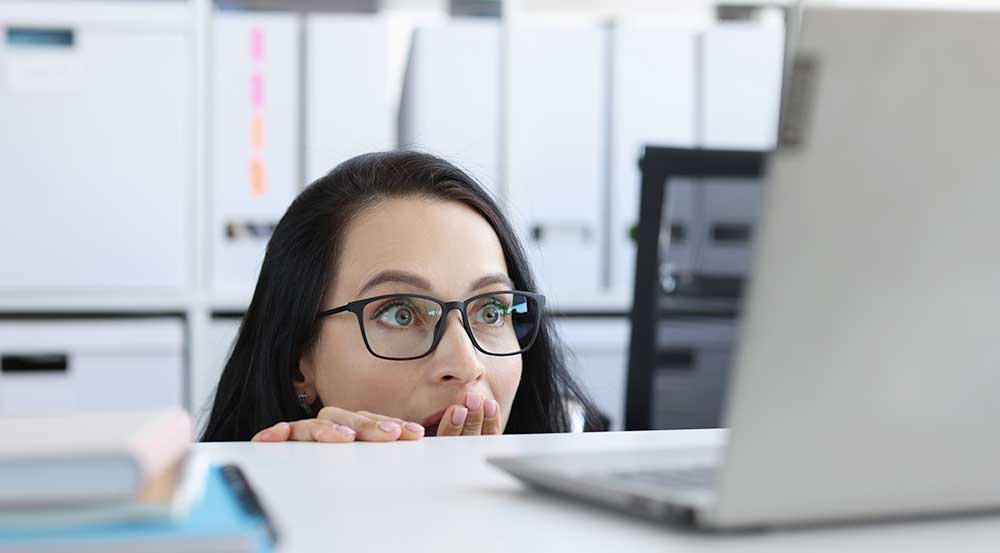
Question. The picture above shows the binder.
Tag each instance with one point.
(741, 67)
(347, 101)
(255, 140)
(556, 154)
(451, 96)
(95, 141)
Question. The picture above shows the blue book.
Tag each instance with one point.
(228, 518)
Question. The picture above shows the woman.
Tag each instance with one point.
(357, 330)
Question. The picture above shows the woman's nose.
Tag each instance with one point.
(456, 358)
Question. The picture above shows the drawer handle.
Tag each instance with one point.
(34, 363)
(675, 359)
(731, 232)
(34, 37)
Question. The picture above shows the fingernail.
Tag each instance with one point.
(473, 401)
(414, 427)
(458, 416)
(390, 427)
(283, 425)
(345, 430)
(263, 435)
(490, 409)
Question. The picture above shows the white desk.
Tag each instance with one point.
(439, 495)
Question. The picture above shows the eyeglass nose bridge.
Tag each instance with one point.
(446, 308)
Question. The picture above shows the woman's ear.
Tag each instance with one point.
(305, 379)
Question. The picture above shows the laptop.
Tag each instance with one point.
(866, 375)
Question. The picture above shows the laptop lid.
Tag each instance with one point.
(867, 373)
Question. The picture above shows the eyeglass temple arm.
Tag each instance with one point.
(333, 311)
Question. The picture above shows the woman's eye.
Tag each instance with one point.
(491, 314)
(397, 315)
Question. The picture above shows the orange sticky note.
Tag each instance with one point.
(258, 178)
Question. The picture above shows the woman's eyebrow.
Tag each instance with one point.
(402, 277)
(495, 278)
(417, 281)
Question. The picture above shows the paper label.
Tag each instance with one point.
(48, 72)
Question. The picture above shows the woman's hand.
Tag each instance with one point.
(338, 425)
(478, 416)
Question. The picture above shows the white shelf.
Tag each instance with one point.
(95, 303)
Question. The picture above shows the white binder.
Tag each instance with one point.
(557, 94)
(451, 96)
(348, 106)
(95, 137)
(741, 67)
(255, 139)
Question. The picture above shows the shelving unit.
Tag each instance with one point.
(203, 307)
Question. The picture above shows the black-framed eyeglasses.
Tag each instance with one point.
(402, 327)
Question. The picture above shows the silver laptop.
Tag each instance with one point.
(866, 379)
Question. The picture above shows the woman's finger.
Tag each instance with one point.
(453, 421)
(318, 430)
(491, 417)
(368, 429)
(302, 431)
(277, 433)
(411, 430)
(474, 420)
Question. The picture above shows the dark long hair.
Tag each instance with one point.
(256, 389)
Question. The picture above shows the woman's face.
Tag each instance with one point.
(422, 246)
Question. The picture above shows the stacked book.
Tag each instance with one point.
(120, 481)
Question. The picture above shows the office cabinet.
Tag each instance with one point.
(451, 96)
(741, 85)
(597, 356)
(50, 366)
(692, 364)
(96, 111)
(347, 101)
(711, 225)
(653, 101)
(556, 90)
(255, 139)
